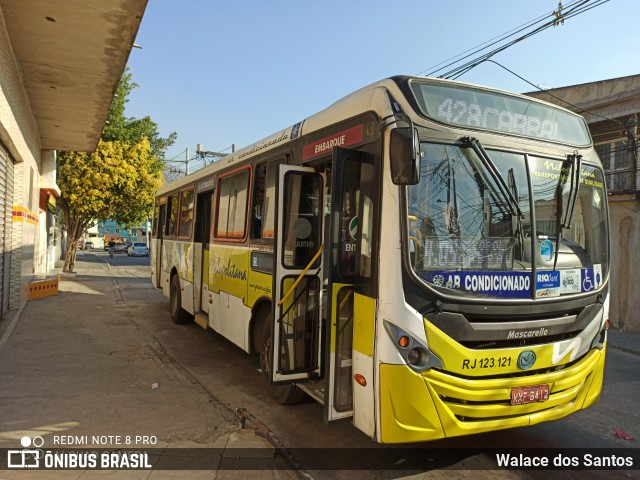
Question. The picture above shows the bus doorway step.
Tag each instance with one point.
(201, 320)
(314, 389)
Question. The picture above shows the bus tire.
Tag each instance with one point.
(283, 394)
(178, 314)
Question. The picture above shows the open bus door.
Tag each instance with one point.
(201, 252)
(297, 279)
(351, 291)
(158, 243)
(344, 226)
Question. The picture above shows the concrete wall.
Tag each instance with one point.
(19, 134)
(609, 98)
(56, 86)
(625, 262)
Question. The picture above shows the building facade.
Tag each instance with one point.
(612, 110)
(60, 63)
(132, 234)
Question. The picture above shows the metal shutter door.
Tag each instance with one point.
(6, 222)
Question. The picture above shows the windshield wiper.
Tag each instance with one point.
(574, 161)
(518, 230)
(576, 165)
(494, 173)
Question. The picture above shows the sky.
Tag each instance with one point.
(229, 72)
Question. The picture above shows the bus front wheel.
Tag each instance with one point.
(178, 314)
(283, 394)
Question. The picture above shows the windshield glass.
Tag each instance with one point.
(463, 237)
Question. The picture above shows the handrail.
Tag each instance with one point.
(302, 274)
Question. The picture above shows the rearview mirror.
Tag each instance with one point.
(404, 154)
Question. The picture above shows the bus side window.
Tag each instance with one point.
(232, 205)
(366, 227)
(262, 216)
(172, 218)
(187, 198)
(258, 200)
(156, 219)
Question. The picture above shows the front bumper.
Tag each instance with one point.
(438, 404)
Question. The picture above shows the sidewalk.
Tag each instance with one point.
(82, 365)
(626, 341)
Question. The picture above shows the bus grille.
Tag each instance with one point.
(489, 398)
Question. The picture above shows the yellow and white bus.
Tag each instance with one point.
(426, 257)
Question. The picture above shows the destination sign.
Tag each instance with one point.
(452, 253)
(500, 112)
(473, 114)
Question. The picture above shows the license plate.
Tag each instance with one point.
(530, 394)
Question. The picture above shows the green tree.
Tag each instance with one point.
(118, 180)
(121, 128)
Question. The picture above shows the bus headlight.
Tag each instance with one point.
(417, 356)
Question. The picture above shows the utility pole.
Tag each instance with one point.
(167, 162)
(201, 154)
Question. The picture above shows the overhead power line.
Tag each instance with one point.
(555, 18)
(478, 48)
(569, 12)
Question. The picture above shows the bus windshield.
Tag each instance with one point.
(465, 237)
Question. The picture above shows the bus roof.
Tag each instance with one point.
(372, 98)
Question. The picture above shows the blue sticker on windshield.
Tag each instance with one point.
(546, 250)
(547, 284)
(588, 280)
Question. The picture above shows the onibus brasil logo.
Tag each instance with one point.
(32, 456)
(28, 456)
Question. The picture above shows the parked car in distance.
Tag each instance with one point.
(121, 247)
(88, 245)
(138, 249)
